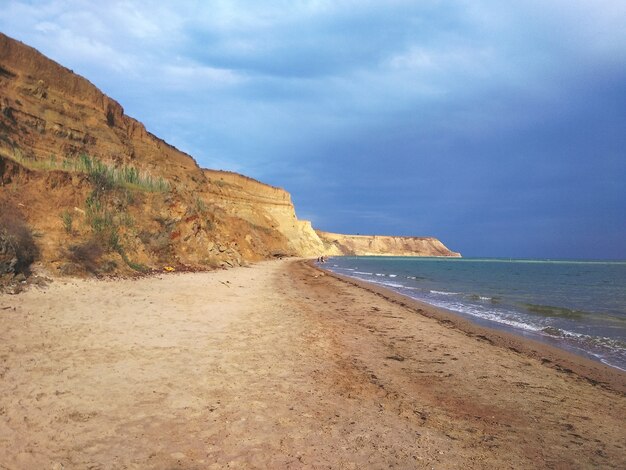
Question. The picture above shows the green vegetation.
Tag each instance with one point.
(105, 225)
(200, 205)
(131, 264)
(101, 174)
(104, 222)
(113, 190)
(68, 220)
(33, 163)
(108, 177)
(106, 207)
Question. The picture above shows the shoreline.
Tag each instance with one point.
(278, 365)
(594, 371)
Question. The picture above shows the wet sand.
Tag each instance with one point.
(282, 366)
(557, 358)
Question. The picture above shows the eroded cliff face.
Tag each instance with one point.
(47, 111)
(264, 206)
(50, 118)
(103, 195)
(377, 245)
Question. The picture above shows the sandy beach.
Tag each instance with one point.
(280, 365)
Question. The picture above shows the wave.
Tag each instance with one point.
(393, 284)
(484, 298)
(443, 293)
(497, 316)
(389, 284)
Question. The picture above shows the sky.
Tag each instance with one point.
(498, 127)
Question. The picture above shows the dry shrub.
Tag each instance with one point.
(18, 249)
(87, 255)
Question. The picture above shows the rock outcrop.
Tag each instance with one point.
(381, 245)
(102, 194)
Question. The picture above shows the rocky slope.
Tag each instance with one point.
(377, 245)
(103, 195)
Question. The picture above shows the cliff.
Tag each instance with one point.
(264, 206)
(101, 194)
(380, 245)
(47, 111)
(105, 195)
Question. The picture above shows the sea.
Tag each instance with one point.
(576, 305)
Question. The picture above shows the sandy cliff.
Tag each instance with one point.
(47, 111)
(101, 194)
(264, 206)
(51, 117)
(374, 245)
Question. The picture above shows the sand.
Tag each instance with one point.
(280, 366)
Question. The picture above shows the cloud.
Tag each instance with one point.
(199, 76)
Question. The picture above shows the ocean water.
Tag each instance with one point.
(576, 305)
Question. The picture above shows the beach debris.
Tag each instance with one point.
(168, 269)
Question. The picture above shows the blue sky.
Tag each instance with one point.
(499, 127)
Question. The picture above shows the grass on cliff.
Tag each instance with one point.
(124, 176)
(107, 176)
(105, 225)
(102, 222)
